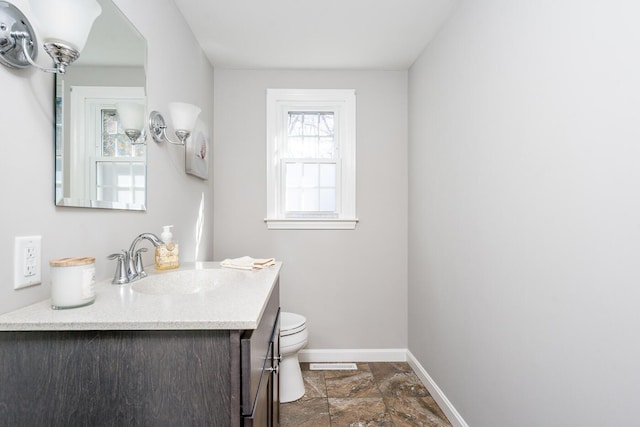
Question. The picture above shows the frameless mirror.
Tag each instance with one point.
(97, 165)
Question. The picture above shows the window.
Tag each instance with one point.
(311, 159)
(119, 166)
(107, 167)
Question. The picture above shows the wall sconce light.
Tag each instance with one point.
(64, 25)
(184, 118)
(131, 116)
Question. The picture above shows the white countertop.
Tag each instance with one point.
(213, 298)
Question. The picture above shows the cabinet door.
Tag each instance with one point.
(261, 412)
(266, 406)
(274, 389)
(259, 354)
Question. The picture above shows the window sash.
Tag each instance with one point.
(317, 137)
(287, 191)
(114, 187)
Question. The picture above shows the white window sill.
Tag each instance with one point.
(311, 224)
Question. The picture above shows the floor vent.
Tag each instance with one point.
(333, 367)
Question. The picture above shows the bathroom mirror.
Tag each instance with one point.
(96, 164)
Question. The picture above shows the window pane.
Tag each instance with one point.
(123, 172)
(108, 146)
(124, 196)
(310, 175)
(310, 135)
(293, 202)
(138, 169)
(138, 181)
(295, 124)
(124, 180)
(310, 124)
(310, 200)
(328, 200)
(105, 175)
(328, 175)
(293, 175)
(109, 122)
(326, 125)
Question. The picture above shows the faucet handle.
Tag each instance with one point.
(121, 274)
(139, 266)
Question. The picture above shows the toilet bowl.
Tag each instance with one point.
(293, 337)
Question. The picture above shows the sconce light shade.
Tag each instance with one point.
(184, 118)
(183, 115)
(131, 116)
(65, 21)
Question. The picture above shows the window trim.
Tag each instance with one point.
(342, 102)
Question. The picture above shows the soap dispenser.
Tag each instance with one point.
(166, 257)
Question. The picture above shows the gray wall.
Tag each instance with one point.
(351, 285)
(524, 212)
(26, 127)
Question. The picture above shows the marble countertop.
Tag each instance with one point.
(212, 298)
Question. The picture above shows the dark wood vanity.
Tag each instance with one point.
(142, 378)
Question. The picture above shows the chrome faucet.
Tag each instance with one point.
(130, 267)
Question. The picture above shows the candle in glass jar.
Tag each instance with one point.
(72, 282)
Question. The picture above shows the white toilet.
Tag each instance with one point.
(293, 337)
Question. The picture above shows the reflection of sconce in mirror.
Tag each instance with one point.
(63, 24)
(131, 117)
(184, 118)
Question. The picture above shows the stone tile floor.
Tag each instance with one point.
(378, 394)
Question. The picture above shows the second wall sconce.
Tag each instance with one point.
(184, 118)
(131, 117)
(63, 24)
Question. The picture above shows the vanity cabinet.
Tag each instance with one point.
(205, 377)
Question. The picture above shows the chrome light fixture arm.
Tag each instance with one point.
(61, 66)
(158, 128)
(17, 37)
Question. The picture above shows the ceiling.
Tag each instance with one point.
(304, 34)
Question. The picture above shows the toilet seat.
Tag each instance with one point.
(291, 323)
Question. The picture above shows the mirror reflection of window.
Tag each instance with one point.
(120, 165)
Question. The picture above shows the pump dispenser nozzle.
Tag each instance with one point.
(166, 235)
(167, 255)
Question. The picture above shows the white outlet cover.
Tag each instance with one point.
(27, 272)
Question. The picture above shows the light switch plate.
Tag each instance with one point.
(27, 265)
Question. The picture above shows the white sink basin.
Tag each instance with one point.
(183, 282)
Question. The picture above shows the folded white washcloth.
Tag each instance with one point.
(248, 263)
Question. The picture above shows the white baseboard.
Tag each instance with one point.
(454, 416)
(387, 355)
(353, 355)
